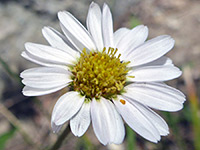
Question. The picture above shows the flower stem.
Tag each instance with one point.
(61, 138)
(131, 140)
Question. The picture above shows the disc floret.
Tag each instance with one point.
(99, 74)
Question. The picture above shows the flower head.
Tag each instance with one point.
(110, 76)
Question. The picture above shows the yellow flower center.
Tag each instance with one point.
(99, 74)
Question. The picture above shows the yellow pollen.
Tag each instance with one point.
(99, 74)
(123, 101)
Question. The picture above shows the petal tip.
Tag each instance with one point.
(179, 72)
(23, 54)
(146, 28)
(45, 28)
(28, 45)
(25, 93)
(105, 5)
(92, 4)
(60, 14)
(21, 75)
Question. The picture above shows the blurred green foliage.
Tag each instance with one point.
(85, 144)
(134, 22)
(5, 137)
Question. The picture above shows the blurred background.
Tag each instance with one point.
(25, 121)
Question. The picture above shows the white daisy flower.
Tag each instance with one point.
(110, 76)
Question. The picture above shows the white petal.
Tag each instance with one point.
(154, 73)
(46, 77)
(132, 39)
(119, 34)
(41, 61)
(155, 95)
(57, 40)
(66, 107)
(55, 128)
(171, 90)
(50, 54)
(30, 91)
(81, 121)
(137, 120)
(162, 61)
(107, 27)
(150, 50)
(154, 118)
(73, 40)
(42, 71)
(107, 123)
(76, 29)
(94, 25)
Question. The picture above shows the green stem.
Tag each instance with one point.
(130, 139)
(61, 138)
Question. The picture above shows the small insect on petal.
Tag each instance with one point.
(123, 101)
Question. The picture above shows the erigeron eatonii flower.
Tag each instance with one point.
(110, 76)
